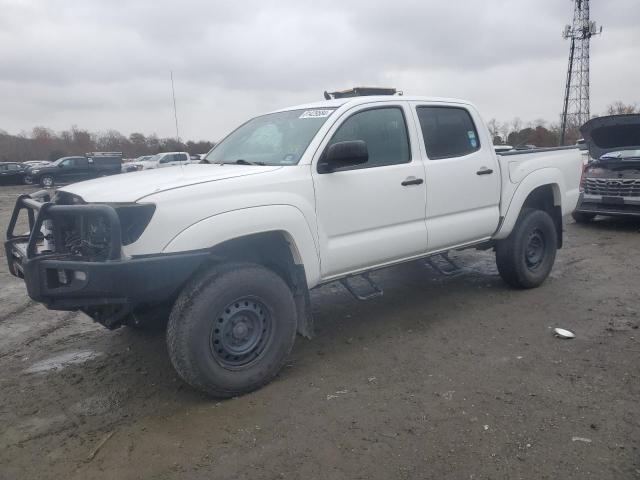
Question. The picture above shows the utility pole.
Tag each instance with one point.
(575, 111)
(175, 112)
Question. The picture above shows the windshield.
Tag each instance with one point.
(274, 139)
(153, 158)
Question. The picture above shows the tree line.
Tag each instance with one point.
(543, 134)
(44, 144)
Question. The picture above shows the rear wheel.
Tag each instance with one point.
(526, 256)
(582, 217)
(231, 329)
(47, 181)
(28, 180)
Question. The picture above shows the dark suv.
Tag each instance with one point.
(12, 172)
(611, 180)
(76, 169)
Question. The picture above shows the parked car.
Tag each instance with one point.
(136, 164)
(36, 163)
(161, 160)
(610, 182)
(75, 169)
(12, 173)
(289, 201)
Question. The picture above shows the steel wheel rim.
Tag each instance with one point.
(47, 181)
(240, 333)
(535, 249)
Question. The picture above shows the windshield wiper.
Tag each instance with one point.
(242, 161)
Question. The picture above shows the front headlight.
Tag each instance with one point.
(134, 220)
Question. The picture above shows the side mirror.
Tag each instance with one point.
(344, 154)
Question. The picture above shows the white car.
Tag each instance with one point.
(160, 160)
(291, 200)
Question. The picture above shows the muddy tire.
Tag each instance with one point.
(47, 181)
(525, 258)
(582, 217)
(231, 329)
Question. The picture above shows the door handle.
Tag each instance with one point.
(484, 171)
(412, 181)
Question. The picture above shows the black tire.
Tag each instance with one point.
(525, 258)
(47, 181)
(28, 180)
(583, 217)
(211, 335)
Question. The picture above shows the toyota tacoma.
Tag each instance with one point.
(228, 250)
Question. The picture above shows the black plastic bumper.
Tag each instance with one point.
(63, 282)
(613, 206)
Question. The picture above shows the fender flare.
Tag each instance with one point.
(536, 179)
(287, 219)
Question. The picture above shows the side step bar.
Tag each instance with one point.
(375, 291)
(446, 266)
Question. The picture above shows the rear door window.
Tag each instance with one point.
(81, 162)
(447, 132)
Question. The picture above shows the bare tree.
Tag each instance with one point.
(620, 108)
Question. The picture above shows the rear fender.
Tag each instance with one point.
(536, 179)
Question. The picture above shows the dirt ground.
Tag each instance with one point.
(440, 378)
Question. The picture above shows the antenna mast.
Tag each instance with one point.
(575, 110)
(175, 112)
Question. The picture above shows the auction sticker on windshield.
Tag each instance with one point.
(316, 113)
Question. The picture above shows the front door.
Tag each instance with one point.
(373, 213)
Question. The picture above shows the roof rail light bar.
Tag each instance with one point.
(361, 92)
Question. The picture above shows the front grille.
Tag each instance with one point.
(620, 187)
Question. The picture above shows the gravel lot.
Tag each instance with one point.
(441, 378)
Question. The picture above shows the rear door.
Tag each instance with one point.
(462, 174)
(372, 214)
(71, 170)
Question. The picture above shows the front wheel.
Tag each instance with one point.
(526, 256)
(47, 181)
(231, 329)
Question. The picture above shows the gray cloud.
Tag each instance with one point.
(106, 64)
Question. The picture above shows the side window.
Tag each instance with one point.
(385, 132)
(447, 132)
(166, 159)
(80, 162)
(181, 157)
(13, 166)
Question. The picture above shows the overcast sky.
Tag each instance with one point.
(103, 64)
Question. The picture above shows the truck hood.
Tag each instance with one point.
(612, 133)
(131, 187)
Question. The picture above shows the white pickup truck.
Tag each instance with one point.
(289, 201)
(160, 160)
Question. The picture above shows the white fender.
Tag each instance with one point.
(538, 178)
(248, 221)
